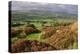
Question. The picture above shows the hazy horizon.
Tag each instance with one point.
(36, 6)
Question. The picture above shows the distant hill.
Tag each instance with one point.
(43, 7)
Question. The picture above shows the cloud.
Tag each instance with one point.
(19, 5)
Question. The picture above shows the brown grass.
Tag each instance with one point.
(23, 45)
(64, 38)
(47, 32)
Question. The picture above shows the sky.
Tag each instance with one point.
(27, 6)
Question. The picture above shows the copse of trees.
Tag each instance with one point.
(16, 24)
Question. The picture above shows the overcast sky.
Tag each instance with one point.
(27, 6)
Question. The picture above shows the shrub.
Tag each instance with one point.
(16, 24)
(23, 45)
(31, 25)
(15, 32)
(29, 30)
(20, 45)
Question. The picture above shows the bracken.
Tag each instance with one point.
(23, 45)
